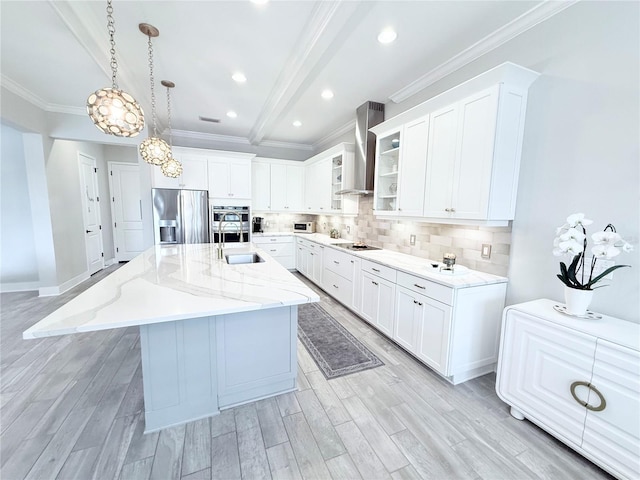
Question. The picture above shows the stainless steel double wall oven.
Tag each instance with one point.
(236, 223)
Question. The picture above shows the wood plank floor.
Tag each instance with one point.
(72, 408)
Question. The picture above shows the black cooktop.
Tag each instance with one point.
(357, 246)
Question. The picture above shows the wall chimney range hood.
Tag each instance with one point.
(368, 115)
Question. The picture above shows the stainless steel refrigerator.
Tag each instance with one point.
(180, 216)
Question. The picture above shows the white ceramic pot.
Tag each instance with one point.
(577, 301)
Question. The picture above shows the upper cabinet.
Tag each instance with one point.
(226, 175)
(277, 185)
(326, 174)
(230, 178)
(194, 173)
(457, 156)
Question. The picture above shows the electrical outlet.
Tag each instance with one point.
(486, 251)
(412, 239)
(348, 229)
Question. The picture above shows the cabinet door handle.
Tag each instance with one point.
(375, 283)
(375, 270)
(419, 286)
(335, 286)
(273, 250)
(415, 301)
(311, 253)
(603, 402)
(447, 209)
(453, 210)
(336, 262)
(273, 240)
(352, 261)
(419, 304)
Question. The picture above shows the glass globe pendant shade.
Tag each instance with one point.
(172, 168)
(155, 151)
(115, 112)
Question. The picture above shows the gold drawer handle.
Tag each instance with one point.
(603, 402)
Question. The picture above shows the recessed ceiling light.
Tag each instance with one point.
(231, 114)
(387, 35)
(297, 123)
(239, 77)
(327, 94)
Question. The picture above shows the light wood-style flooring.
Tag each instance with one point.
(71, 407)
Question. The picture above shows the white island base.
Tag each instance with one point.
(193, 368)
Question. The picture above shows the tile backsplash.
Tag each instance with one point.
(432, 239)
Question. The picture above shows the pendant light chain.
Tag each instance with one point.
(153, 94)
(169, 116)
(112, 30)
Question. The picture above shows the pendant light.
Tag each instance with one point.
(153, 149)
(112, 110)
(171, 168)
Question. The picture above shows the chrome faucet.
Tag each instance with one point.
(237, 223)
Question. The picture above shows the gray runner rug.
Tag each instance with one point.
(333, 348)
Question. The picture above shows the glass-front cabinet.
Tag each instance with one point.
(389, 146)
(336, 181)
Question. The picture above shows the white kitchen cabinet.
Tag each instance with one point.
(230, 178)
(287, 183)
(260, 186)
(387, 166)
(309, 260)
(378, 297)
(194, 173)
(325, 174)
(318, 186)
(341, 277)
(408, 318)
(434, 333)
(473, 149)
(577, 379)
(280, 247)
(412, 168)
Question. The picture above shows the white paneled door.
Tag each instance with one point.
(126, 210)
(91, 212)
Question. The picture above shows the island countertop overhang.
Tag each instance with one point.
(177, 282)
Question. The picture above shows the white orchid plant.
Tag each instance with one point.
(571, 239)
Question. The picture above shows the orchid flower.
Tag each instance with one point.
(605, 251)
(578, 219)
(606, 238)
(571, 239)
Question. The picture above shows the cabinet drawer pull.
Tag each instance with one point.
(375, 270)
(415, 301)
(336, 262)
(273, 239)
(335, 286)
(273, 250)
(603, 402)
(311, 253)
(352, 261)
(419, 304)
(419, 286)
(375, 283)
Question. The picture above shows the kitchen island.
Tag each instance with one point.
(212, 335)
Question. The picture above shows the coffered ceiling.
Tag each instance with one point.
(55, 53)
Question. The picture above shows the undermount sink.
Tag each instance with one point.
(241, 258)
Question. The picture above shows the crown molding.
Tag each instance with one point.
(22, 92)
(212, 137)
(524, 22)
(290, 145)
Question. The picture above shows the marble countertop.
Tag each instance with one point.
(411, 264)
(167, 283)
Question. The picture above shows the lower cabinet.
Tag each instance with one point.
(423, 326)
(309, 260)
(280, 247)
(378, 299)
(561, 374)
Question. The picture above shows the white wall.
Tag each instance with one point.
(18, 259)
(581, 144)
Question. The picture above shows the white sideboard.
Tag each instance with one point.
(577, 379)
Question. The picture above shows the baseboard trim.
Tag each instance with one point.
(19, 287)
(63, 287)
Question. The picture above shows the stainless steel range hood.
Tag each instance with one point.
(368, 115)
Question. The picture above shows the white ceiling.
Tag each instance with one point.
(56, 54)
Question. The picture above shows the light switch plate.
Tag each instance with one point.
(486, 250)
(412, 239)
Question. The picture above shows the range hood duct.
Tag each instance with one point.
(368, 115)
